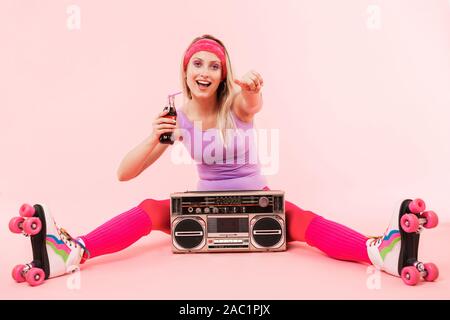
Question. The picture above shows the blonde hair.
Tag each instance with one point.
(225, 92)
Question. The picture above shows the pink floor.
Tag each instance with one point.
(148, 270)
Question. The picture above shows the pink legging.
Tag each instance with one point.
(334, 239)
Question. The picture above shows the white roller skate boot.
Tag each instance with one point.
(55, 252)
(396, 251)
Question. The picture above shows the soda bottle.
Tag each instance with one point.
(168, 138)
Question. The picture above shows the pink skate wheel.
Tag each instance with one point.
(26, 210)
(409, 223)
(17, 273)
(432, 271)
(35, 276)
(16, 224)
(432, 219)
(32, 226)
(410, 275)
(417, 206)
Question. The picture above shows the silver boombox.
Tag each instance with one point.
(224, 221)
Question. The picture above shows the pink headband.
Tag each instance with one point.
(210, 46)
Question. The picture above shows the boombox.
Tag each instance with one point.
(228, 221)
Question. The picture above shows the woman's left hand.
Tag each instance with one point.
(251, 82)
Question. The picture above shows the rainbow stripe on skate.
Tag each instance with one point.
(58, 246)
(389, 242)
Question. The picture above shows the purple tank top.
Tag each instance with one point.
(233, 168)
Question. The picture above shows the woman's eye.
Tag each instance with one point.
(215, 67)
(197, 63)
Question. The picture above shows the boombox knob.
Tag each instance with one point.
(263, 202)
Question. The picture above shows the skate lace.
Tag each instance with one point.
(374, 240)
(71, 239)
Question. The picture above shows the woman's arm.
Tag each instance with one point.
(140, 158)
(249, 100)
(148, 151)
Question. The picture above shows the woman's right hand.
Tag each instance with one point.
(163, 125)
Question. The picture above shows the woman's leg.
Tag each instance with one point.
(334, 239)
(297, 221)
(159, 213)
(56, 252)
(125, 229)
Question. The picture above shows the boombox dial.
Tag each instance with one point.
(263, 202)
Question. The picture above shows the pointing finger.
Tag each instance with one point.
(238, 82)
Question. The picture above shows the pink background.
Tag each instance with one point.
(362, 113)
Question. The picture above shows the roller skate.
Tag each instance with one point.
(396, 251)
(55, 252)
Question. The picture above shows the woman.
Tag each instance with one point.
(212, 100)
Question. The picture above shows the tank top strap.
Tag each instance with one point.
(183, 121)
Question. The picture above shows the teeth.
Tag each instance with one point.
(204, 82)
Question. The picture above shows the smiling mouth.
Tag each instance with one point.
(203, 84)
